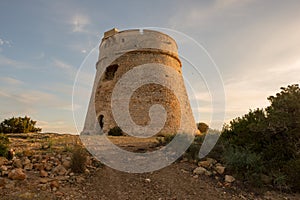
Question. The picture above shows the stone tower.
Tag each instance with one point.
(123, 51)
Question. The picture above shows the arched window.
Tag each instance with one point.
(101, 121)
(110, 72)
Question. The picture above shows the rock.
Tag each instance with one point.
(17, 163)
(220, 169)
(43, 186)
(59, 170)
(48, 166)
(54, 185)
(184, 160)
(2, 182)
(147, 180)
(3, 161)
(199, 170)
(3, 168)
(211, 161)
(25, 161)
(208, 173)
(79, 179)
(43, 173)
(229, 179)
(66, 164)
(38, 166)
(204, 164)
(28, 166)
(44, 180)
(17, 174)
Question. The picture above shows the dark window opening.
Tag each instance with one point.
(101, 121)
(110, 72)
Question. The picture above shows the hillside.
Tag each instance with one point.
(41, 169)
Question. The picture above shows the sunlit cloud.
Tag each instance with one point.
(11, 81)
(79, 23)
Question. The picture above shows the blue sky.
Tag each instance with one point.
(255, 44)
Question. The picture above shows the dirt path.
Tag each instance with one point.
(173, 182)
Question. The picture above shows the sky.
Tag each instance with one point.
(254, 44)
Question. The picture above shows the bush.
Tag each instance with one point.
(4, 141)
(245, 164)
(202, 127)
(78, 161)
(18, 125)
(292, 171)
(267, 139)
(115, 131)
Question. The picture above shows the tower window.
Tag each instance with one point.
(110, 72)
(101, 121)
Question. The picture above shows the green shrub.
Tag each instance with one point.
(4, 141)
(79, 158)
(18, 125)
(267, 139)
(115, 131)
(292, 171)
(244, 164)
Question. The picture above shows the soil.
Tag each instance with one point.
(176, 181)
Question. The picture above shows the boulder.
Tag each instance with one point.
(17, 174)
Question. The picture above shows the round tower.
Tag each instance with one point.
(124, 51)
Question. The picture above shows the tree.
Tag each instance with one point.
(18, 125)
(202, 127)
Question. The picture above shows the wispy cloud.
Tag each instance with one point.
(11, 81)
(8, 62)
(62, 65)
(79, 23)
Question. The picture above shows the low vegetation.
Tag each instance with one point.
(79, 158)
(4, 141)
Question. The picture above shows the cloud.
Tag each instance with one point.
(62, 65)
(5, 42)
(11, 81)
(79, 23)
(8, 62)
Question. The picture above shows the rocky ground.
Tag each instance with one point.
(41, 169)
